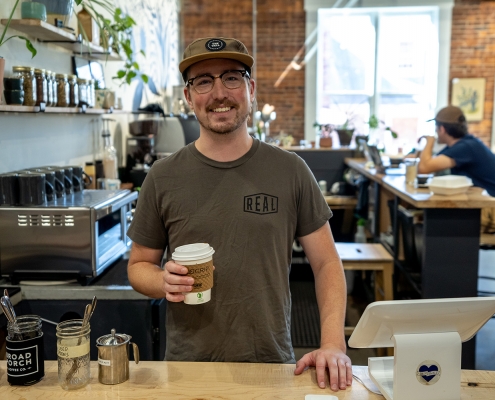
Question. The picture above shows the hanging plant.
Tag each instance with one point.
(116, 35)
(4, 40)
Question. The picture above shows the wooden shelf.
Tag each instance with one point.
(47, 33)
(58, 110)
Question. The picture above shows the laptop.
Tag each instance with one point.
(374, 156)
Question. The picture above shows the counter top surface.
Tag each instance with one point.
(422, 197)
(232, 381)
(111, 285)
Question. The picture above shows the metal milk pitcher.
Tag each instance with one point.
(113, 357)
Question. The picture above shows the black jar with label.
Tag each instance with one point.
(25, 351)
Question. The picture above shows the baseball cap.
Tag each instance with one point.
(449, 115)
(210, 47)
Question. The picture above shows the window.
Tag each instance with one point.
(382, 62)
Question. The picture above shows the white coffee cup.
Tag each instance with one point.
(195, 254)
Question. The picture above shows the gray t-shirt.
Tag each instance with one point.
(249, 210)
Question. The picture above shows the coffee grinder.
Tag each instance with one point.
(141, 146)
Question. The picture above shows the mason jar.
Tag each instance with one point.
(41, 86)
(73, 91)
(91, 93)
(83, 92)
(29, 85)
(73, 345)
(63, 98)
(53, 81)
(49, 89)
(25, 351)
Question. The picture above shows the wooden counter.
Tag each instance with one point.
(422, 197)
(221, 381)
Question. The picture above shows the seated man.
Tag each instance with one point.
(464, 155)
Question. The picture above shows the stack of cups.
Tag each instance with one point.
(197, 258)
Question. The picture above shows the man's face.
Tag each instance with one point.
(221, 110)
(440, 131)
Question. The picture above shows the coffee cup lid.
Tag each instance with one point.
(190, 252)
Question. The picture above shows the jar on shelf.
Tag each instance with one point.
(29, 85)
(91, 93)
(73, 346)
(83, 92)
(41, 86)
(73, 91)
(63, 93)
(25, 351)
(53, 82)
(49, 89)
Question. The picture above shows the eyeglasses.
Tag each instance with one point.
(231, 80)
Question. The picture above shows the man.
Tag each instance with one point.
(215, 190)
(464, 155)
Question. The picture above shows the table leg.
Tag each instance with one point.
(450, 259)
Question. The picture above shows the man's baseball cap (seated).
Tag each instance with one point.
(449, 115)
(208, 48)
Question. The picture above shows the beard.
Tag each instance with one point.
(228, 126)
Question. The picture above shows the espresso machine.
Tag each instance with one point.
(152, 137)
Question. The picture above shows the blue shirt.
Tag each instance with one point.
(474, 160)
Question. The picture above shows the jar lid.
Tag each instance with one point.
(64, 76)
(22, 69)
(114, 339)
(72, 76)
(79, 80)
(39, 71)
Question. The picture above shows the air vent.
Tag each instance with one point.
(45, 220)
(58, 220)
(34, 220)
(22, 220)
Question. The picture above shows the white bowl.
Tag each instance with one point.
(447, 190)
(451, 181)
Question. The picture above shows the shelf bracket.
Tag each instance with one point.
(78, 40)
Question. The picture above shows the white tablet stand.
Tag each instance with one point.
(426, 336)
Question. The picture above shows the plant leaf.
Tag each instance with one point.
(145, 78)
(120, 74)
(29, 46)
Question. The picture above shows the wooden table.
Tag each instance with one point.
(451, 236)
(220, 381)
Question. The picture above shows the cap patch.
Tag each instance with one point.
(215, 45)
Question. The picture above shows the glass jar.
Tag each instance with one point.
(25, 351)
(54, 84)
(63, 93)
(49, 89)
(41, 86)
(73, 91)
(73, 345)
(83, 92)
(27, 73)
(91, 93)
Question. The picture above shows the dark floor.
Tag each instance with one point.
(305, 320)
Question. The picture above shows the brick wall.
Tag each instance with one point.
(472, 54)
(281, 33)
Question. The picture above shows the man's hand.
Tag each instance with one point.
(332, 358)
(176, 281)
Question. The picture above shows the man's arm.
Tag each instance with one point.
(331, 295)
(428, 163)
(146, 276)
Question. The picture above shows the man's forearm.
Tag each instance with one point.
(146, 278)
(331, 295)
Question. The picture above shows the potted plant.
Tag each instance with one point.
(325, 134)
(115, 35)
(375, 123)
(4, 40)
(345, 132)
